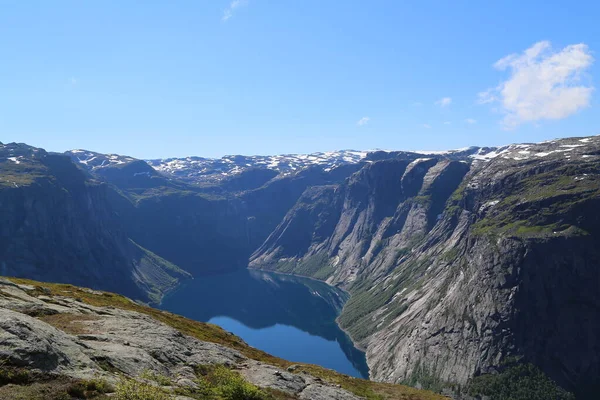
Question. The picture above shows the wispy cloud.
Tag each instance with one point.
(447, 123)
(73, 81)
(544, 84)
(471, 121)
(426, 126)
(444, 101)
(233, 6)
(488, 96)
(363, 121)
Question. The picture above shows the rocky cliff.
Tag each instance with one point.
(58, 225)
(459, 266)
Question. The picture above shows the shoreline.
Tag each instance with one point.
(356, 346)
(169, 292)
(346, 294)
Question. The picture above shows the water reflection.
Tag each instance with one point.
(278, 313)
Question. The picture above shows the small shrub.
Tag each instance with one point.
(77, 390)
(129, 389)
(232, 386)
(98, 385)
(14, 375)
(158, 378)
(62, 396)
(219, 382)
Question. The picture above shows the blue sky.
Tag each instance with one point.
(210, 77)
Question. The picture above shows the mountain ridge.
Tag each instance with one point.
(203, 170)
(403, 253)
(55, 219)
(434, 247)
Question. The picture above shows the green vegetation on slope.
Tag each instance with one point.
(159, 276)
(541, 205)
(130, 389)
(219, 382)
(367, 297)
(25, 172)
(316, 266)
(518, 382)
(17, 383)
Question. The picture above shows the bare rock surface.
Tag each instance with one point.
(303, 385)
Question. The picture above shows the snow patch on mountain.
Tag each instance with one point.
(200, 169)
(93, 160)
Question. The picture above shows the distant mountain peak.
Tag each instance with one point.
(93, 160)
(200, 169)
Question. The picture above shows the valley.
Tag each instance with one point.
(289, 317)
(460, 266)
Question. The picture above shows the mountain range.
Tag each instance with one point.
(462, 266)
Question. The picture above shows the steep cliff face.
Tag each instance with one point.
(57, 225)
(336, 232)
(510, 270)
(200, 234)
(266, 206)
(455, 268)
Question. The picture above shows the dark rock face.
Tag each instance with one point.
(266, 206)
(557, 309)
(199, 234)
(59, 226)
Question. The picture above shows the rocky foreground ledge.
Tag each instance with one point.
(63, 342)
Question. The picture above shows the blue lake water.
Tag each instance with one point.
(286, 316)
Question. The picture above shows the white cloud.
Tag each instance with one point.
(471, 121)
(444, 101)
(488, 96)
(544, 84)
(235, 4)
(426, 126)
(363, 121)
(447, 123)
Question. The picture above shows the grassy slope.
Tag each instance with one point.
(541, 204)
(213, 333)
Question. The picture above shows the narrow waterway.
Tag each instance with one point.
(287, 316)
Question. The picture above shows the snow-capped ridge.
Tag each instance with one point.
(200, 169)
(194, 169)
